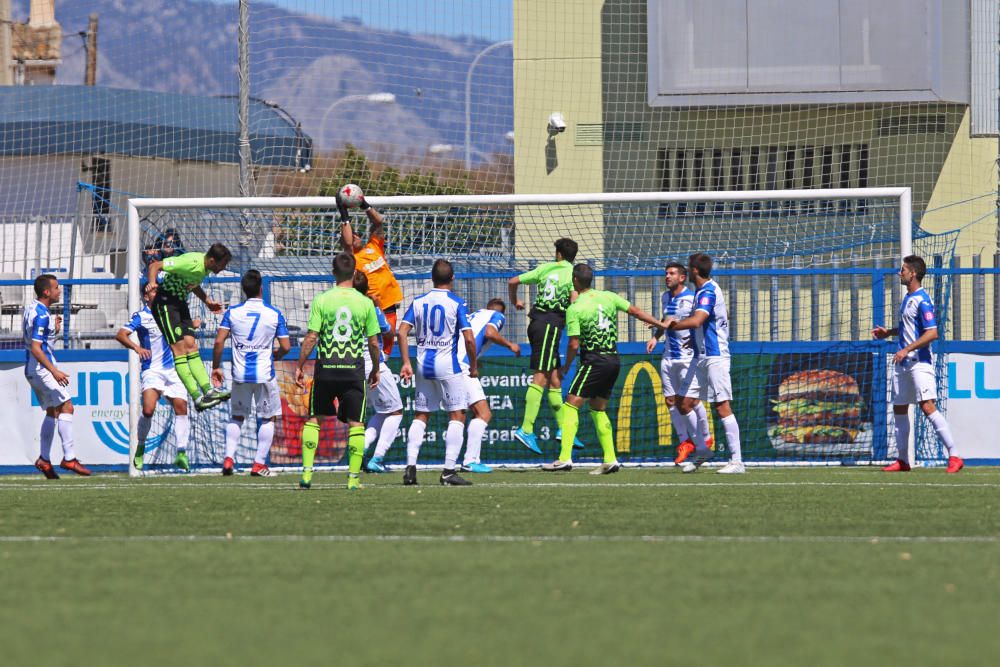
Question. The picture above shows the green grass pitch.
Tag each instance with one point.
(846, 566)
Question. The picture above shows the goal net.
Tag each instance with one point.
(806, 274)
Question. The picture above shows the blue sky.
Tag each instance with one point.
(489, 19)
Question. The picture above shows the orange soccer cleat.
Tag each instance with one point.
(260, 470)
(45, 467)
(683, 451)
(228, 466)
(955, 464)
(74, 465)
(897, 466)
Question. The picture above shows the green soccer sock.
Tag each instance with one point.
(604, 435)
(355, 448)
(570, 425)
(310, 441)
(197, 368)
(184, 373)
(532, 403)
(556, 402)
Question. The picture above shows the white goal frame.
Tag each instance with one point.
(134, 233)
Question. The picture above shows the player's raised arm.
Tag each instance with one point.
(152, 271)
(375, 219)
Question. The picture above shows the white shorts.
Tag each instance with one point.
(264, 394)
(164, 381)
(913, 383)
(50, 394)
(449, 394)
(713, 378)
(680, 377)
(474, 390)
(385, 397)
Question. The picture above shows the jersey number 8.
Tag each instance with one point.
(342, 329)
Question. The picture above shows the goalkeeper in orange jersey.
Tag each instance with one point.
(383, 287)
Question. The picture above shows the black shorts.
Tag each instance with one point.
(349, 390)
(544, 335)
(172, 317)
(596, 377)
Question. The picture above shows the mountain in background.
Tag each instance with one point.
(303, 63)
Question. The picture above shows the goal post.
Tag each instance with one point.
(737, 223)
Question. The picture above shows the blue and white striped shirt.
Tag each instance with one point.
(679, 343)
(712, 337)
(37, 325)
(916, 315)
(438, 319)
(150, 338)
(253, 325)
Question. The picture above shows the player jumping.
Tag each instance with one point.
(48, 382)
(913, 378)
(157, 378)
(253, 326)
(184, 274)
(548, 319)
(592, 327)
(679, 367)
(710, 321)
(341, 323)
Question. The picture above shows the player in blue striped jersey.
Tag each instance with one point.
(913, 379)
(385, 399)
(253, 326)
(157, 378)
(679, 367)
(440, 321)
(486, 327)
(710, 322)
(49, 384)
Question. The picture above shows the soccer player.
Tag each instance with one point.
(48, 382)
(592, 327)
(382, 284)
(679, 366)
(439, 318)
(486, 327)
(710, 322)
(254, 327)
(341, 321)
(158, 378)
(913, 378)
(388, 405)
(185, 273)
(548, 319)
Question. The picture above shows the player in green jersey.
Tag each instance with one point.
(341, 322)
(592, 327)
(548, 319)
(184, 274)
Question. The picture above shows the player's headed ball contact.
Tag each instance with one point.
(351, 195)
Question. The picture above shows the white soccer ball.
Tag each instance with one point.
(351, 195)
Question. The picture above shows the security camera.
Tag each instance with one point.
(557, 123)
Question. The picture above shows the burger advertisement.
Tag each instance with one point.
(821, 411)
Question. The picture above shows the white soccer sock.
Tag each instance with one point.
(414, 438)
(387, 434)
(453, 443)
(145, 423)
(680, 423)
(233, 429)
(902, 437)
(373, 428)
(265, 435)
(65, 426)
(474, 446)
(182, 431)
(944, 432)
(47, 434)
(733, 438)
(691, 421)
(702, 415)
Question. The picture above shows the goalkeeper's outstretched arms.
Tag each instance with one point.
(348, 237)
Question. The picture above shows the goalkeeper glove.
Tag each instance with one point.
(342, 210)
(364, 205)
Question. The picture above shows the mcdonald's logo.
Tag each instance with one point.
(664, 427)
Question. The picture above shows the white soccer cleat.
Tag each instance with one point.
(732, 468)
(693, 463)
(606, 469)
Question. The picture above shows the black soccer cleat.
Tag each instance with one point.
(451, 478)
(410, 476)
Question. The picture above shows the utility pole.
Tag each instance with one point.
(90, 77)
(6, 75)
